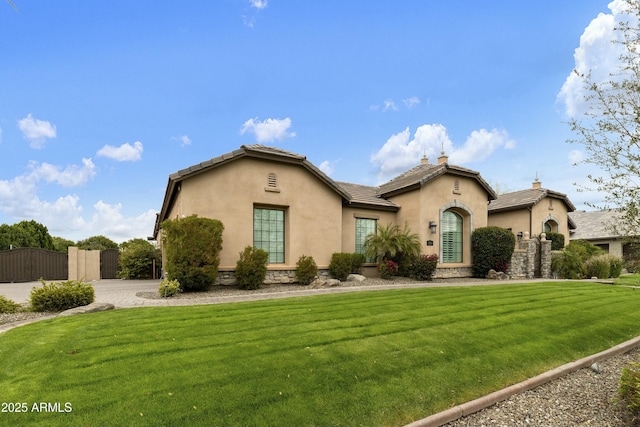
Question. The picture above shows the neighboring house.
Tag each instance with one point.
(597, 227)
(533, 211)
(281, 202)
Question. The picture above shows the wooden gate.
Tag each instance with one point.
(31, 264)
(109, 263)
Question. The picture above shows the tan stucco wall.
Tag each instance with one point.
(428, 203)
(517, 220)
(313, 211)
(349, 216)
(83, 265)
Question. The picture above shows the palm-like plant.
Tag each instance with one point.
(390, 240)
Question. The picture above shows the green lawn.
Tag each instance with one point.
(376, 358)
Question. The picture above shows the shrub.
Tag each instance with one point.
(357, 261)
(340, 265)
(137, 258)
(557, 241)
(8, 306)
(598, 266)
(60, 296)
(423, 267)
(492, 248)
(388, 269)
(390, 240)
(251, 268)
(616, 264)
(632, 265)
(629, 390)
(192, 246)
(169, 288)
(567, 265)
(584, 249)
(306, 270)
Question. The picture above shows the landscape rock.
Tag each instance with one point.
(497, 275)
(90, 308)
(324, 283)
(356, 278)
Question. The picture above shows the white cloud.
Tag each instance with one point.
(326, 167)
(576, 156)
(401, 152)
(125, 153)
(411, 102)
(36, 131)
(70, 176)
(268, 130)
(258, 4)
(109, 221)
(184, 140)
(597, 54)
(389, 104)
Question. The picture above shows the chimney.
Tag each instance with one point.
(536, 184)
(424, 160)
(443, 158)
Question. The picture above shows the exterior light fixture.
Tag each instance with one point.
(433, 226)
(519, 235)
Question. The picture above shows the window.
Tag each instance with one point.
(451, 237)
(364, 227)
(268, 232)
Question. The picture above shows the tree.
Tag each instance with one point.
(61, 244)
(136, 259)
(97, 243)
(610, 128)
(25, 234)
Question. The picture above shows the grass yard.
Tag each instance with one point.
(375, 358)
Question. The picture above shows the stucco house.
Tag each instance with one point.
(279, 201)
(534, 211)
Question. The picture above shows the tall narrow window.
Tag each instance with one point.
(268, 232)
(364, 227)
(451, 237)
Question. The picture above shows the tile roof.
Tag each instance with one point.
(526, 198)
(594, 225)
(366, 195)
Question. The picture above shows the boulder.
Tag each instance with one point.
(355, 278)
(497, 275)
(90, 308)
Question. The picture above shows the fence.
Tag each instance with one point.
(30, 264)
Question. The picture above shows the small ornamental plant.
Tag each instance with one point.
(306, 270)
(423, 267)
(388, 269)
(8, 306)
(629, 390)
(169, 288)
(251, 268)
(60, 296)
(340, 265)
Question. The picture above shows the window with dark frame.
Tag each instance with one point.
(268, 232)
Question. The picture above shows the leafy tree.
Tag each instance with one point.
(192, 246)
(492, 248)
(389, 241)
(25, 234)
(136, 259)
(97, 243)
(62, 245)
(609, 130)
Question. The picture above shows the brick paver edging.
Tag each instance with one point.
(476, 405)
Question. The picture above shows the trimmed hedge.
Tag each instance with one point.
(306, 270)
(60, 296)
(251, 268)
(8, 306)
(340, 265)
(492, 248)
(557, 241)
(192, 246)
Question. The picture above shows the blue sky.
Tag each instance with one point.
(101, 101)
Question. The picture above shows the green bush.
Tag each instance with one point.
(340, 265)
(632, 265)
(8, 306)
(584, 249)
(390, 240)
(388, 269)
(169, 288)
(629, 390)
(137, 258)
(357, 261)
(567, 265)
(557, 241)
(423, 267)
(251, 268)
(60, 296)
(492, 248)
(616, 264)
(598, 266)
(306, 270)
(192, 246)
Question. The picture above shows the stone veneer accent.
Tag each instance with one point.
(228, 277)
(531, 258)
